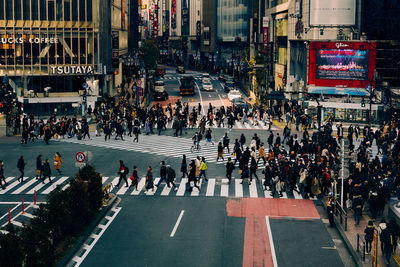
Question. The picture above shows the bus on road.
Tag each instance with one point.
(187, 85)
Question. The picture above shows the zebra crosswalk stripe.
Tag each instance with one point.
(210, 187)
(182, 187)
(152, 192)
(253, 189)
(224, 188)
(140, 186)
(25, 186)
(11, 186)
(238, 188)
(196, 192)
(54, 185)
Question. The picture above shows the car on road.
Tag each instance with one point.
(207, 85)
(205, 77)
(159, 91)
(239, 102)
(234, 94)
(228, 86)
(180, 69)
(222, 77)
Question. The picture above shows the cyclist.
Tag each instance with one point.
(196, 140)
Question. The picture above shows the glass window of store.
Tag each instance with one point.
(27, 9)
(2, 10)
(35, 10)
(43, 10)
(74, 10)
(67, 10)
(17, 9)
(89, 16)
(9, 10)
(50, 9)
(82, 8)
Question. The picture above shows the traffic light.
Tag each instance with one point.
(115, 72)
(217, 52)
(363, 103)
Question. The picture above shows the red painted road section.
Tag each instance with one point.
(171, 100)
(257, 247)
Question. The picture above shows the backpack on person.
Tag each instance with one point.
(126, 170)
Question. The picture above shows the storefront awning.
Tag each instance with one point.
(337, 91)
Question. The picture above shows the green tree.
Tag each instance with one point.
(11, 250)
(150, 53)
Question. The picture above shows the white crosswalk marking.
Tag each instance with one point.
(295, 194)
(104, 180)
(151, 192)
(224, 188)
(11, 186)
(54, 185)
(267, 194)
(25, 186)
(253, 189)
(140, 186)
(210, 187)
(195, 191)
(182, 187)
(238, 188)
(166, 190)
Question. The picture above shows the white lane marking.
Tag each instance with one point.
(297, 195)
(267, 194)
(25, 186)
(238, 188)
(96, 238)
(166, 190)
(253, 189)
(247, 125)
(54, 185)
(114, 183)
(36, 188)
(123, 189)
(11, 186)
(153, 191)
(140, 186)
(196, 192)
(224, 187)
(16, 216)
(209, 95)
(104, 179)
(210, 187)
(11, 210)
(177, 223)
(271, 242)
(182, 187)
(222, 101)
(201, 99)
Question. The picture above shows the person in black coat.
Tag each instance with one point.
(229, 169)
(39, 167)
(46, 171)
(21, 167)
(123, 171)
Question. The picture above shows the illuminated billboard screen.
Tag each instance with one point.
(342, 64)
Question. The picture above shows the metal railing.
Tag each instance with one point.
(361, 245)
(342, 214)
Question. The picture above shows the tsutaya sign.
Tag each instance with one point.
(68, 70)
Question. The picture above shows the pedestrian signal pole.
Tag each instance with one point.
(341, 189)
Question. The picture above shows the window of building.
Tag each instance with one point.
(17, 9)
(35, 10)
(50, 10)
(59, 12)
(2, 10)
(9, 10)
(67, 10)
(74, 10)
(82, 10)
(89, 7)
(27, 9)
(43, 10)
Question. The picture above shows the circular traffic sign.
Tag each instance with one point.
(80, 157)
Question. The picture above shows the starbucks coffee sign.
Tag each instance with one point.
(71, 70)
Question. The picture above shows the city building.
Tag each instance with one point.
(54, 52)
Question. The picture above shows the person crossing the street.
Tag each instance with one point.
(203, 168)
(192, 176)
(134, 178)
(57, 163)
(149, 180)
(163, 174)
(171, 174)
(123, 171)
(229, 169)
(21, 167)
(225, 142)
(46, 171)
(2, 178)
(220, 150)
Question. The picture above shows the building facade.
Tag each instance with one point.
(51, 50)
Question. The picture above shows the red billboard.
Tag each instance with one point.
(349, 64)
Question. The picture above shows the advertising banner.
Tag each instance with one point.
(115, 49)
(328, 12)
(173, 14)
(342, 64)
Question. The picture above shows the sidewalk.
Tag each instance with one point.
(2, 125)
(350, 238)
